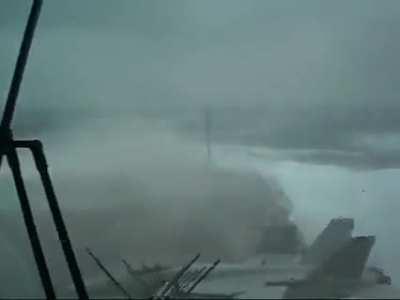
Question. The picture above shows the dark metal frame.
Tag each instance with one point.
(108, 273)
(8, 148)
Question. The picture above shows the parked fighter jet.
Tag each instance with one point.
(338, 276)
(334, 265)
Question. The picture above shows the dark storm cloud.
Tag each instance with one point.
(314, 76)
(311, 81)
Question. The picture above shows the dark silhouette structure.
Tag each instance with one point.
(109, 275)
(8, 148)
(335, 235)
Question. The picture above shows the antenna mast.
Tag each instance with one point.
(207, 115)
(8, 148)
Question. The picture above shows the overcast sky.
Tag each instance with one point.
(319, 77)
(307, 90)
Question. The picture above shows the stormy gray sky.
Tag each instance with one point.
(318, 80)
(303, 90)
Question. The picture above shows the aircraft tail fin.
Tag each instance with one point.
(333, 237)
(347, 262)
(345, 265)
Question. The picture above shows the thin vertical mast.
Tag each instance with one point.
(207, 114)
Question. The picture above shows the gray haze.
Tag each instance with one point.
(303, 93)
(315, 79)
